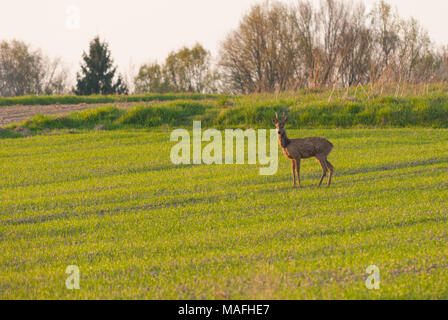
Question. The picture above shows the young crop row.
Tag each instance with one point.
(138, 226)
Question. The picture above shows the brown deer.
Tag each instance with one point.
(298, 149)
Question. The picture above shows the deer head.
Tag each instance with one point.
(280, 123)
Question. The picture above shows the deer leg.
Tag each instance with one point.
(323, 164)
(298, 171)
(294, 171)
(331, 169)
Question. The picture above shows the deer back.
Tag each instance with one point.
(307, 148)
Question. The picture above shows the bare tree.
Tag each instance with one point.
(305, 31)
(261, 55)
(414, 46)
(19, 69)
(385, 26)
(54, 76)
(26, 71)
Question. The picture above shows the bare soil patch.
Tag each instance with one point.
(19, 113)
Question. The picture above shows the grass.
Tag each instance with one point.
(137, 226)
(352, 108)
(140, 116)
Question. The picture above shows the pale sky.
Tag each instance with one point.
(139, 31)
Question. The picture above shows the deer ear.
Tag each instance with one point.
(274, 121)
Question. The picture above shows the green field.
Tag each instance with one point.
(137, 226)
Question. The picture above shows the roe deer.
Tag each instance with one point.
(298, 149)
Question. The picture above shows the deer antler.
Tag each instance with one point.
(284, 116)
(276, 115)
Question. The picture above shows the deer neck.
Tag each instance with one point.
(284, 140)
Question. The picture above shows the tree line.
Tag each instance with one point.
(276, 47)
(337, 44)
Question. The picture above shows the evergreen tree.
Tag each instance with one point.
(98, 72)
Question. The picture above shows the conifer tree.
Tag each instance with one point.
(98, 72)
